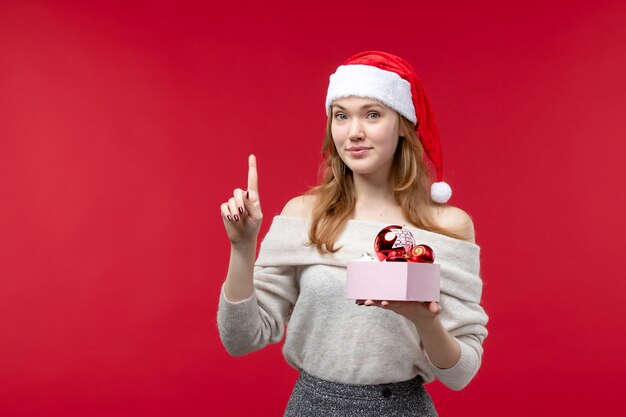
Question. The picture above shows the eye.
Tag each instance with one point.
(338, 116)
(373, 114)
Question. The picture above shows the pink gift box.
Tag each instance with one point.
(405, 281)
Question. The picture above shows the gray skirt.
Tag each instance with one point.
(313, 396)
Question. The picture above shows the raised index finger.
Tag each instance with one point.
(253, 176)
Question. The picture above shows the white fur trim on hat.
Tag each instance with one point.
(372, 82)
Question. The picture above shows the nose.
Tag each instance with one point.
(356, 130)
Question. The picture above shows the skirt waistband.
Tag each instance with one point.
(375, 391)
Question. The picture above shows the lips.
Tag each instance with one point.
(358, 151)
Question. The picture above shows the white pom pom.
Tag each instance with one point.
(440, 192)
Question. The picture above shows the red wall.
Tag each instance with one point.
(123, 128)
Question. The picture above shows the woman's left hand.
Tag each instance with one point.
(416, 311)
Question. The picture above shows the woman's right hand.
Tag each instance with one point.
(242, 213)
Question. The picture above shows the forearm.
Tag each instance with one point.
(442, 349)
(239, 284)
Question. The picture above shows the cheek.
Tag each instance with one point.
(392, 134)
(334, 128)
(384, 134)
(338, 134)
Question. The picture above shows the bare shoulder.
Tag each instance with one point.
(455, 220)
(300, 206)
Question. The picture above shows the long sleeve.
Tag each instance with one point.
(457, 377)
(462, 315)
(249, 325)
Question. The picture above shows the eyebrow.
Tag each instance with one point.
(366, 106)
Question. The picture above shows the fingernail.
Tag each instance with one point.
(247, 195)
(229, 218)
(236, 218)
(240, 209)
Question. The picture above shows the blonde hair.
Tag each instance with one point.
(336, 197)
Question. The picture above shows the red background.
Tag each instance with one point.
(124, 126)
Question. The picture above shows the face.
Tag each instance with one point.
(365, 133)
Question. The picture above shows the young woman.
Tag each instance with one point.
(369, 357)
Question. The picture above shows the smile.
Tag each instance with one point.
(358, 151)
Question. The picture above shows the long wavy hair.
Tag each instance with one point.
(336, 197)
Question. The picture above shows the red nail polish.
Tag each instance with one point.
(236, 218)
(229, 218)
(240, 209)
(247, 195)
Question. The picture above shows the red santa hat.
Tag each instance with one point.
(392, 81)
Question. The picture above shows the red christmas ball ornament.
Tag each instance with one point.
(394, 243)
(422, 254)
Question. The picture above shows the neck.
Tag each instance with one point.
(373, 190)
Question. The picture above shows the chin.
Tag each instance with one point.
(362, 171)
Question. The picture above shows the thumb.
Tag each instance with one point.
(434, 307)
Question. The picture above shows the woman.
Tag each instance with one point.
(371, 357)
